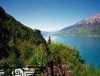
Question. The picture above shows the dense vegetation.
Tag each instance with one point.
(13, 33)
(17, 40)
(21, 46)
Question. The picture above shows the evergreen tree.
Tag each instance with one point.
(49, 40)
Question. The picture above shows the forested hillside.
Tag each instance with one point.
(15, 38)
(20, 46)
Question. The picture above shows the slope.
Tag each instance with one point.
(85, 27)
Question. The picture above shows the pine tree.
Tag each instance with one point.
(49, 40)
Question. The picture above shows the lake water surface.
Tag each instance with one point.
(89, 47)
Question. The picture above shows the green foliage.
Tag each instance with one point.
(62, 54)
(88, 70)
(12, 60)
(3, 63)
(49, 40)
(38, 56)
(21, 46)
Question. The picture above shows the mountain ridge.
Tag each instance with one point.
(85, 27)
(12, 32)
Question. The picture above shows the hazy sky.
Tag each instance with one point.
(50, 15)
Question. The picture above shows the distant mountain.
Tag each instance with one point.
(45, 33)
(85, 27)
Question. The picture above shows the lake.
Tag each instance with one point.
(89, 47)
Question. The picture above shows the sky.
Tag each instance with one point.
(50, 15)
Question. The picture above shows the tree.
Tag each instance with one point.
(49, 40)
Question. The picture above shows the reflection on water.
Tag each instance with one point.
(89, 47)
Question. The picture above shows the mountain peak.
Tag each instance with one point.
(96, 16)
(85, 27)
(93, 19)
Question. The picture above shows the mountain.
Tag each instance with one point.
(45, 33)
(20, 47)
(85, 27)
(13, 34)
(51, 33)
